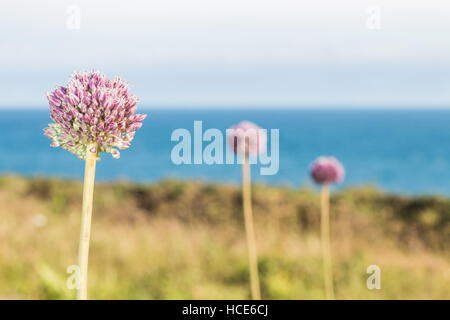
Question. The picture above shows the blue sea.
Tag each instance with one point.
(401, 151)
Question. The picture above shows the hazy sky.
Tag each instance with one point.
(232, 52)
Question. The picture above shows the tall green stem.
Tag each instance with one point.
(249, 230)
(86, 215)
(325, 239)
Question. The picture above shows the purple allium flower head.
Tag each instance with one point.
(93, 110)
(247, 138)
(327, 170)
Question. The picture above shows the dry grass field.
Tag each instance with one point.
(185, 240)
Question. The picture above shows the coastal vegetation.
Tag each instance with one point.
(180, 239)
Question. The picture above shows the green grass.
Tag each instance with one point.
(185, 240)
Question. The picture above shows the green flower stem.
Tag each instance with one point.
(249, 230)
(86, 215)
(325, 239)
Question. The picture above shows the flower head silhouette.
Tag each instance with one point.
(327, 170)
(247, 138)
(93, 112)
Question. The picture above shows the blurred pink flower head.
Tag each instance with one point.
(93, 109)
(247, 138)
(327, 170)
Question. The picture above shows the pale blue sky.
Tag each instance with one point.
(233, 52)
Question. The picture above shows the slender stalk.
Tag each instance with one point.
(249, 230)
(325, 237)
(86, 215)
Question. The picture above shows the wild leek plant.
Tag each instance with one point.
(92, 115)
(325, 171)
(247, 140)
